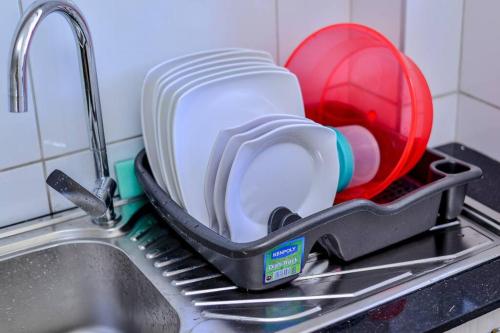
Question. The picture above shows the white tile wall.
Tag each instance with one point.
(383, 15)
(480, 74)
(479, 126)
(57, 87)
(479, 108)
(131, 36)
(20, 129)
(432, 40)
(22, 194)
(297, 19)
(445, 120)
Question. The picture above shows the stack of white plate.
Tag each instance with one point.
(225, 135)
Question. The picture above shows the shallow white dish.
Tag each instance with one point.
(216, 153)
(202, 111)
(226, 158)
(292, 166)
(148, 95)
(171, 90)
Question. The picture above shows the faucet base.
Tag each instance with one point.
(106, 221)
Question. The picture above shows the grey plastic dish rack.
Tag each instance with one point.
(434, 190)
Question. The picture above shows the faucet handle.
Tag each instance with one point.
(95, 204)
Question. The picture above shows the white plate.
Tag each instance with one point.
(294, 166)
(216, 153)
(204, 68)
(202, 111)
(147, 96)
(226, 161)
(233, 55)
(149, 93)
(166, 105)
(166, 110)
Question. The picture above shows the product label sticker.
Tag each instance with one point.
(284, 260)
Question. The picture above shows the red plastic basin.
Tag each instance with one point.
(351, 74)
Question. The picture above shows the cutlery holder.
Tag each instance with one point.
(433, 191)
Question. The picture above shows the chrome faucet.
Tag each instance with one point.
(100, 203)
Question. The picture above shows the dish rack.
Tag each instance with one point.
(433, 191)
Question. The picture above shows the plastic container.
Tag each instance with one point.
(352, 75)
(359, 156)
(435, 188)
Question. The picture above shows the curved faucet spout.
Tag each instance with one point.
(18, 75)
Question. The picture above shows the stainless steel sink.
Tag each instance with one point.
(80, 287)
(65, 274)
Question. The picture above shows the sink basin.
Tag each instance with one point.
(80, 287)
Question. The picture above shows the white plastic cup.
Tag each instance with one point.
(366, 153)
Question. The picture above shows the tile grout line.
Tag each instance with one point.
(277, 21)
(81, 150)
(446, 94)
(22, 165)
(461, 48)
(124, 139)
(402, 23)
(349, 9)
(39, 133)
(37, 123)
(460, 62)
(479, 99)
(74, 152)
(42, 160)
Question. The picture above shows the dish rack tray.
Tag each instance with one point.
(432, 192)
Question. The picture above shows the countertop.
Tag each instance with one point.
(455, 300)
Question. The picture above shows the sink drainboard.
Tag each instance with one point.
(325, 285)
